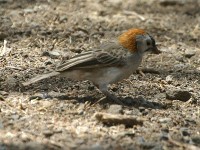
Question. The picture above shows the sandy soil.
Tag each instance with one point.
(56, 113)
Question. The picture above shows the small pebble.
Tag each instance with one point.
(52, 54)
(115, 109)
(32, 146)
(96, 147)
(1, 125)
(184, 131)
(189, 53)
(181, 95)
(48, 133)
(3, 93)
(169, 79)
(196, 140)
(165, 120)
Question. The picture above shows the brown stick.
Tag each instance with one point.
(110, 119)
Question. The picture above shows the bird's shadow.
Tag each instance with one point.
(127, 101)
(141, 102)
(138, 102)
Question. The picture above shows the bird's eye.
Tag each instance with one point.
(148, 43)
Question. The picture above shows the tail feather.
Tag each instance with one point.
(40, 77)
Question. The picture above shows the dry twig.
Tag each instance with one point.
(110, 119)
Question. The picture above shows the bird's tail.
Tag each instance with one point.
(40, 77)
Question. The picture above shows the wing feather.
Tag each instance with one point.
(93, 58)
(73, 62)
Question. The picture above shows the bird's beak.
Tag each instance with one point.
(155, 50)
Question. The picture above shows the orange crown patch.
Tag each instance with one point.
(128, 39)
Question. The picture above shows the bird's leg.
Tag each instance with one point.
(139, 71)
(104, 90)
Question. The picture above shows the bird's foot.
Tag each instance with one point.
(140, 71)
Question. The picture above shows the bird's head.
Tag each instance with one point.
(137, 40)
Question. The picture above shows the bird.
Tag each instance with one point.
(109, 63)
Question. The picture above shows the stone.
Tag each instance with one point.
(52, 54)
(196, 140)
(169, 79)
(1, 125)
(4, 93)
(184, 131)
(115, 109)
(189, 53)
(165, 120)
(38, 96)
(3, 35)
(11, 82)
(33, 145)
(181, 95)
(58, 95)
(96, 146)
(48, 133)
(171, 2)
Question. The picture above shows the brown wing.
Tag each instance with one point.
(107, 55)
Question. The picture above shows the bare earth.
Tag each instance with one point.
(162, 107)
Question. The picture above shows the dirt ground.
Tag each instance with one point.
(57, 113)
